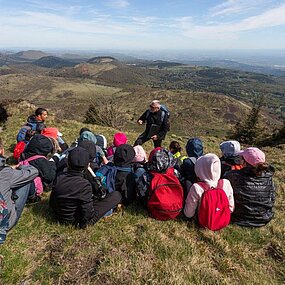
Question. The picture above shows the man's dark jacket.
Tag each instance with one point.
(150, 118)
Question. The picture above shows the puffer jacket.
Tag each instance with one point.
(254, 197)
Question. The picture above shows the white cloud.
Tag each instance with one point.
(118, 4)
(230, 7)
(54, 6)
(271, 18)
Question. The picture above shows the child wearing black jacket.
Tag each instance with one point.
(72, 198)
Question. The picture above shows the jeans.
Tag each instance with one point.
(21, 195)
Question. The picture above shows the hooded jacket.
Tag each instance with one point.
(14, 178)
(41, 145)
(208, 169)
(194, 149)
(125, 181)
(254, 196)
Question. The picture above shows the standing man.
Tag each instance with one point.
(156, 120)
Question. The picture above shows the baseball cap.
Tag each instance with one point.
(253, 155)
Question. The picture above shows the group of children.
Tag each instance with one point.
(89, 181)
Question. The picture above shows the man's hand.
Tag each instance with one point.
(140, 122)
(155, 137)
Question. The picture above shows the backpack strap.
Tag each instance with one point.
(34, 157)
(124, 169)
(206, 187)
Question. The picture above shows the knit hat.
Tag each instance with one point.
(230, 148)
(78, 158)
(140, 154)
(50, 132)
(120, 138)
(253, 155)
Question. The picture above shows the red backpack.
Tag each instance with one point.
(165, 195)
(214, 212)
(19, 149)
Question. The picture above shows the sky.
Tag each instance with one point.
(143, 25)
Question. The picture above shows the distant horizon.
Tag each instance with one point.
(143, 25)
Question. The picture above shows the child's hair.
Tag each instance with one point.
(174, 147)
(259, 168)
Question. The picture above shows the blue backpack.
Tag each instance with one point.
(27, 131)
(108, 173)
(4, 217)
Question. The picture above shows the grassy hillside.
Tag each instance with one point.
(192, 113)
(131, 248)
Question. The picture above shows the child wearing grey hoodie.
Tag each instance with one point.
(15, 188)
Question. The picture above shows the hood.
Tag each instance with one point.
(140, 154)
(38, 145)
(230, 148)
(120, 138)
(194, 147)
(208, 169)
(32, 119)
(124, 155)
(78, 158)
(90, 147)
(160, 160)
(88, 136)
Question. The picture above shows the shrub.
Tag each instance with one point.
(105, 113)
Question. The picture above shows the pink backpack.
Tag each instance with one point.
(37, 181)
(214, 212)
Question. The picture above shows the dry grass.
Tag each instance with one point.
(131, 248)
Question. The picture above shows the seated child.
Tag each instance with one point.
(125, 181)
(119, 138)
(208, 171)
(72, 198)
(15, 188)
(100, 155)
(231, 159)
(254, 190)
(194, 149)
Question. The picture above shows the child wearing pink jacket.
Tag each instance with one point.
(208, 170)
(119, 138)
